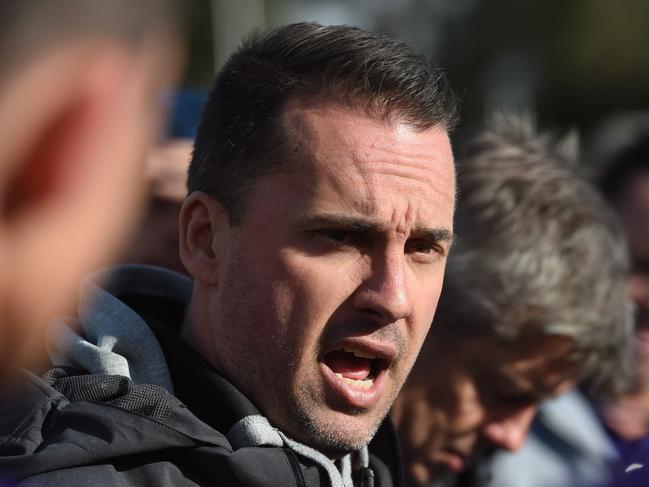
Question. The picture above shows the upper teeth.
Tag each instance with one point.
(360, 353)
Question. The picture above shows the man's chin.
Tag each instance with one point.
(338, 435)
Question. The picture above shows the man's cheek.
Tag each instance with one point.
(425, 297)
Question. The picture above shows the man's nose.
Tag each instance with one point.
(509, 432)
(384, 292)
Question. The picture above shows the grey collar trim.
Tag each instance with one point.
(257, 431)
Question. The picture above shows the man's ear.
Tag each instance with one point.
(205, 237)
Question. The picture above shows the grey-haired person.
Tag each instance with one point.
(534, 302)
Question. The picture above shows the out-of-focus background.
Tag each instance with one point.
(579, 65)
(575, 62)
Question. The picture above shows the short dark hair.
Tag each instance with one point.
(239, 137)
(538, 252)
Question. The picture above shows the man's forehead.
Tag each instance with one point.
(350, 151)
(313, 121)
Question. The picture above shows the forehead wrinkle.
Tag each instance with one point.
(410, 168)
(370, 169)
(343, 195)
(415, 155)
(361, 163)
(305, 139)
(344, 184)
(404, 221)
(410, 152)
(370, 194)
(427, 183)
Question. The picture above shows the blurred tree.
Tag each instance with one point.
(574, 62)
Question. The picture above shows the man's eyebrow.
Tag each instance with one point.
(361, 225)
(435, 234)
(340, 221)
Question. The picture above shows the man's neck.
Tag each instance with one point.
(196, 332)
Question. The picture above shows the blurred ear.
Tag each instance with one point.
(205, 237)
(74, 127)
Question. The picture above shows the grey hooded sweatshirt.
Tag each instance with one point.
(130, 403)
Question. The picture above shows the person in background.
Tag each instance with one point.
(625, 183)
(156, 241)
(585, 438)
(534, 301)
(80, 85)
(316, 230)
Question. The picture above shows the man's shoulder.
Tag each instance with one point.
(67, 395)
(82, 429)
(68, 420)
(118, 398)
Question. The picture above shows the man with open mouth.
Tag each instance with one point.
(316, 230)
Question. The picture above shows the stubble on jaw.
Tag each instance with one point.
(328, 437)
(331, 436)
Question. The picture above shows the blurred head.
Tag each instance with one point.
(156, 239)
(79, 87)
(322, 193)
(534, 301)
(625, 183)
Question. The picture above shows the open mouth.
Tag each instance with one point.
(356, 372)
(356, 367)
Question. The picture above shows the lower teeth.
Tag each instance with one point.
(362, 383)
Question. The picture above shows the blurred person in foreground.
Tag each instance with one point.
(80, 83)
(316, 229)
(534, 301)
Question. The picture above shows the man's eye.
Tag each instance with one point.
(423, 247)
(339, 236)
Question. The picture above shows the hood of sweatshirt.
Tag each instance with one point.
(125, 313)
